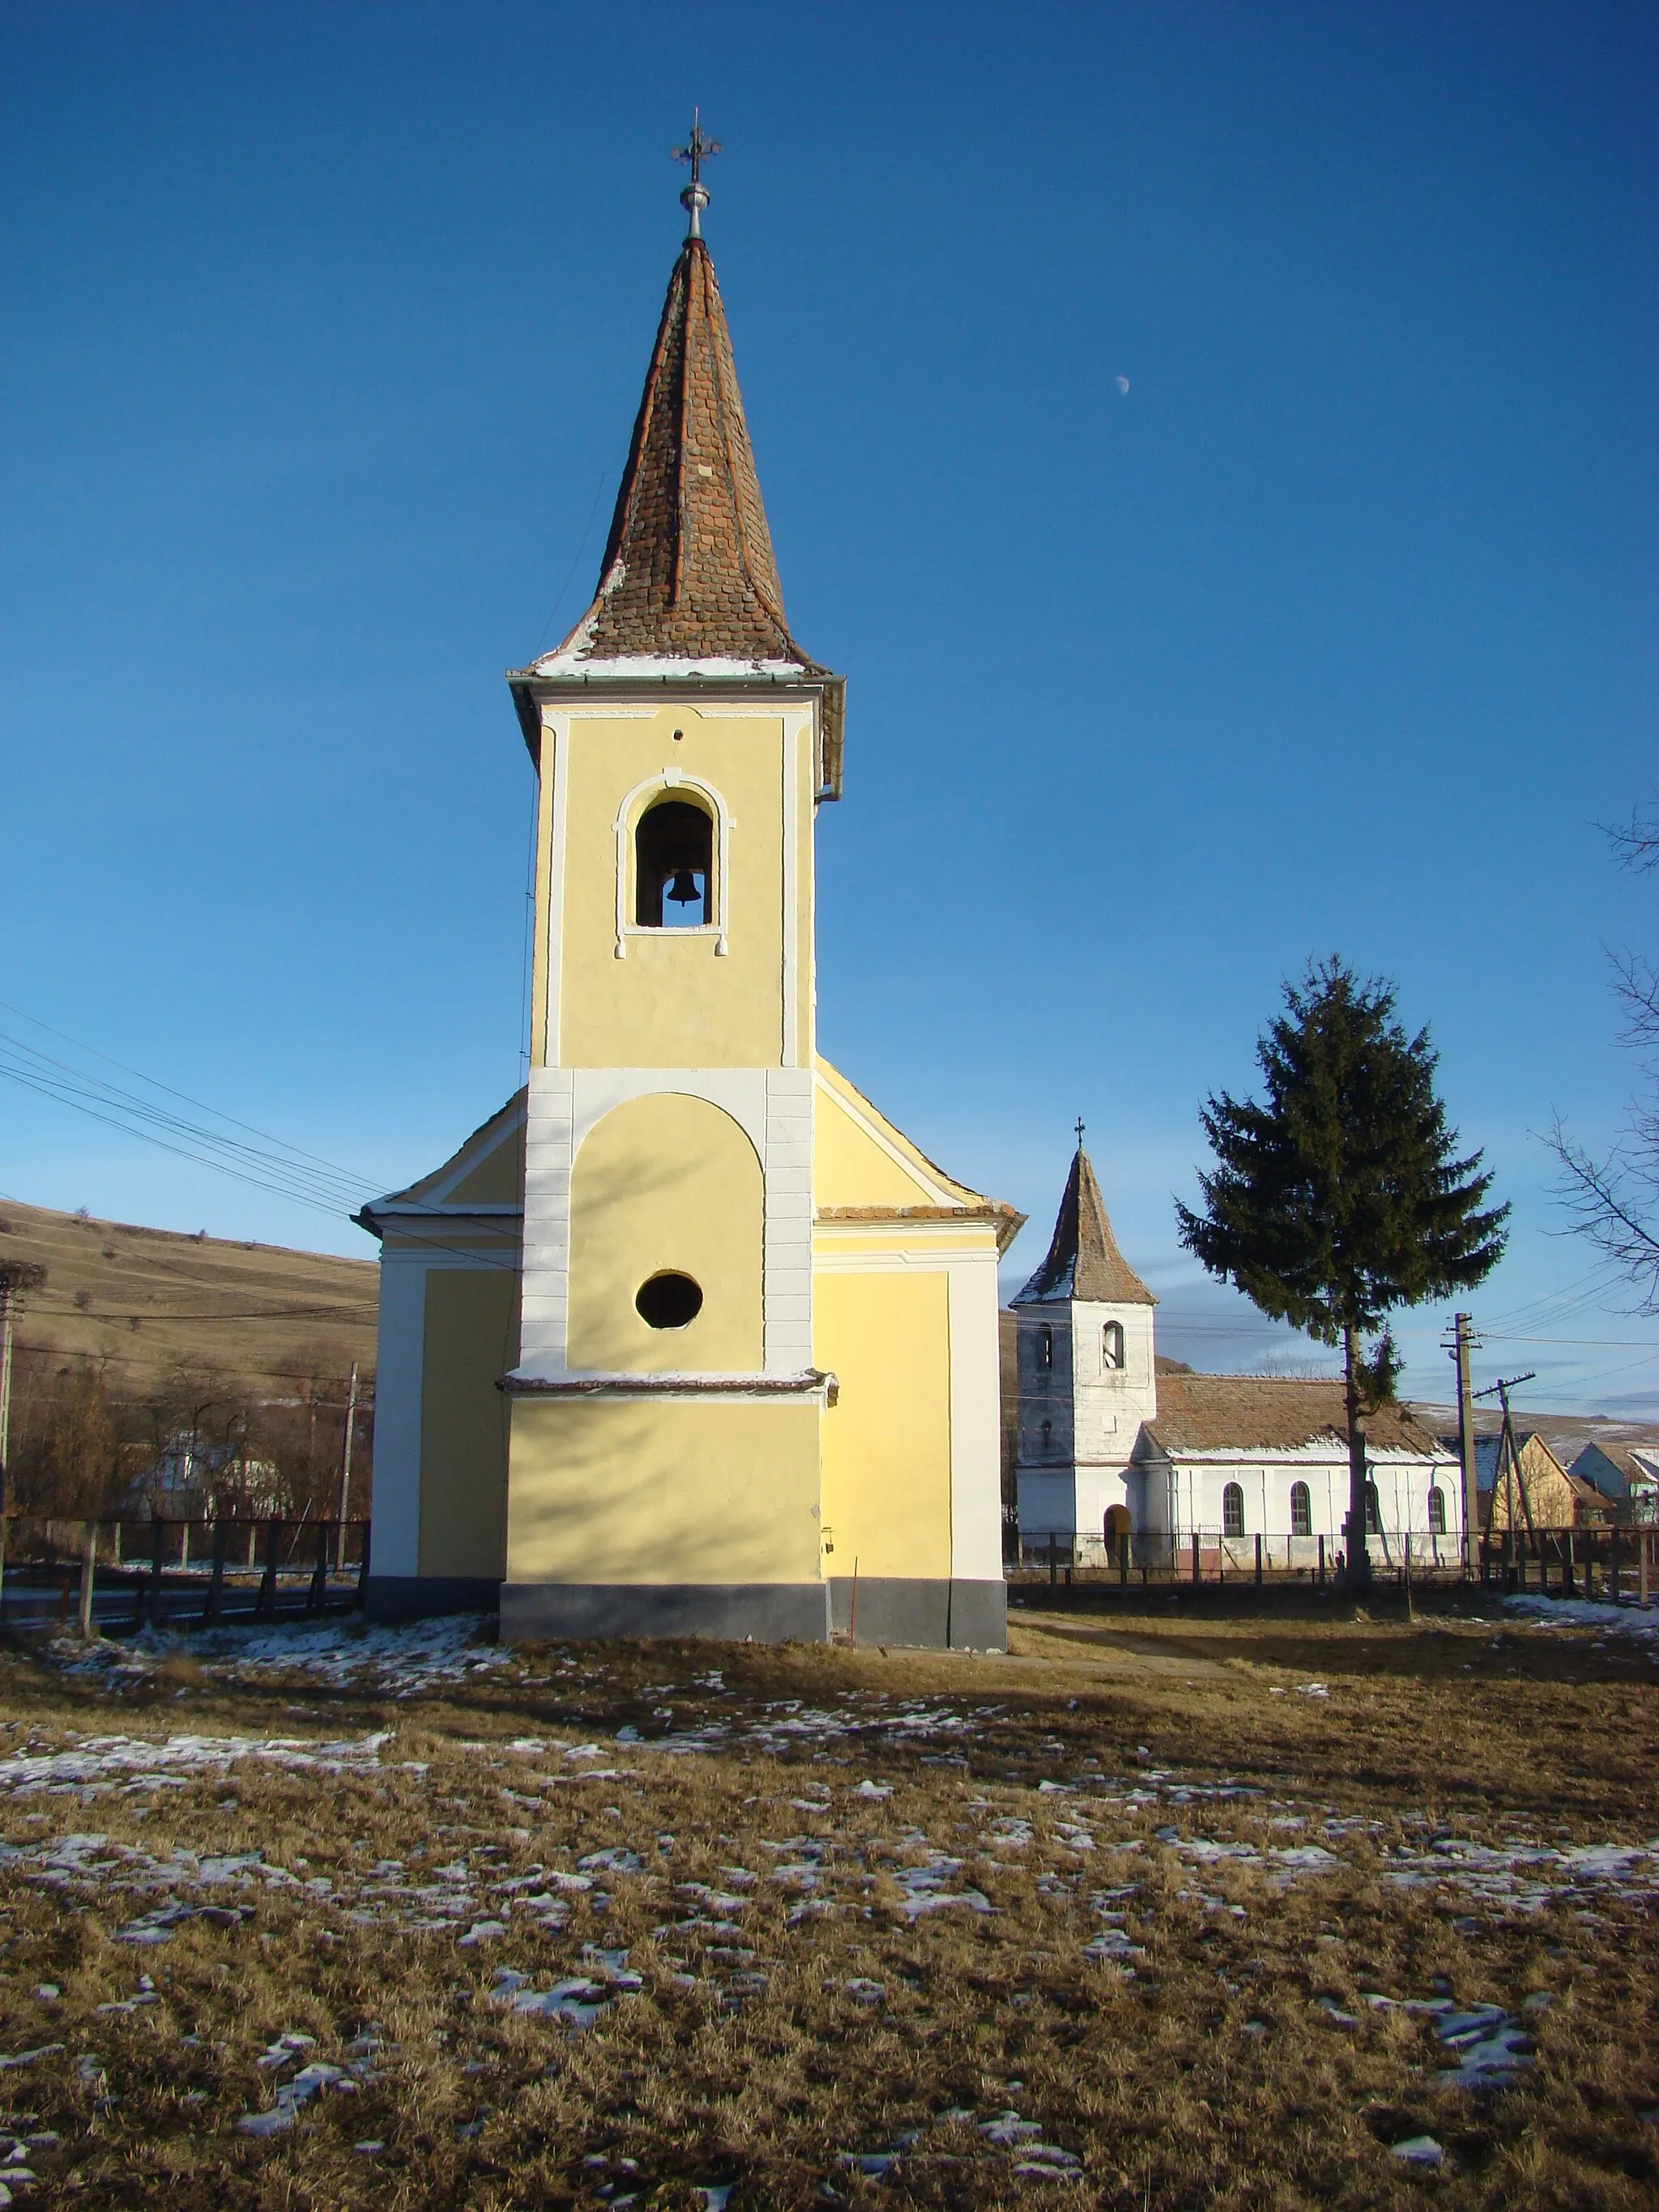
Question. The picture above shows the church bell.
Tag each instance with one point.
(684, 889)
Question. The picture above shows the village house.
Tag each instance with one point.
(1552, 1497)
(1626, 1475)
(1116, 1447)
(688, 1338)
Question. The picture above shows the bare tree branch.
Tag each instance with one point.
(1635, 842)
(1614, 1202)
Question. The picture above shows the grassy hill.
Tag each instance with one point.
(144, 1302)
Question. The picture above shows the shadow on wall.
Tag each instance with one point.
(675, 1490)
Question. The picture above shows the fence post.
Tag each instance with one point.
(317, 1596)
(1321, 1563)
(266, 1604)
(215, 1594)
(157, 1553)
(1258, 1559)
(1054, 1563)
(1641, 1565)
(1566, 1565)
(1123, 1563)
(88, 1576)
(1612, 1561)
(1196, 1570)
(362, 1569)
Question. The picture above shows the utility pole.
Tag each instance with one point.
(1510, 1460)
(1464, 1341)
(16, 1276)
(345, 1466)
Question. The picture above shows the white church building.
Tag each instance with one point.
(1116, 1448)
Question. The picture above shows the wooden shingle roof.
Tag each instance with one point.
(689, 575)
(1084, 1260)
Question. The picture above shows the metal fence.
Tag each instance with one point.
(123, 1574)
(1612, 1562)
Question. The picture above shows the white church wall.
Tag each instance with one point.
(975, 1420)
(1198, 1490)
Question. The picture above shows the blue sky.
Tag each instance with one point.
(323, 331)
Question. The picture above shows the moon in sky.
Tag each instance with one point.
(1123, 384)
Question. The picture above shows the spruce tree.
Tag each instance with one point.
(1341, 1196)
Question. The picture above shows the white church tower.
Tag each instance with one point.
(1087, 1378)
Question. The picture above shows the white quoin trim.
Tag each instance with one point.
(555, 763)
(672, 778)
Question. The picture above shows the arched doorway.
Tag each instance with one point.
(1117, 1533)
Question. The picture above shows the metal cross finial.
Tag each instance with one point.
(1080, 1132)
(697, 151)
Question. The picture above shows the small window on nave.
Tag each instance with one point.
(673, 866)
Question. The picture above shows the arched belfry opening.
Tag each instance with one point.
(674, 867)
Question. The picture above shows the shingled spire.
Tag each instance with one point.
(1084, 1260)
(688, 575)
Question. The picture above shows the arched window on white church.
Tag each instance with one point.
(1436, 1510)
(673, 866)
(1301, 1510)
(1232, 1510)
(1111, 1345)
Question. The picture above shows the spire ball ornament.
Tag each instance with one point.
(696, 150)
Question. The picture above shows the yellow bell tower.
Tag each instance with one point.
(664, 1462)
(688, 1338)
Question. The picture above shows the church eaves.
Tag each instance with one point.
(1084, 1260)
(689, 585)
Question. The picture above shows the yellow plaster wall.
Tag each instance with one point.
(663, 1491)
(1549, 1493)
(673, 1001)
(849, 1168)
(497, 1176)
(886, 1337)
(472, 1338)
(666, 1181)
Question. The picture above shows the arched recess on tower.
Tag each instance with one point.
(666, 1191)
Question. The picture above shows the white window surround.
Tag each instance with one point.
(673, 779)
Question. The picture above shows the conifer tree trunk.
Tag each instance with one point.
(1359, 1574)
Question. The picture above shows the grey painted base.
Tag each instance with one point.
(414, 1597)
(959, 1616)
(770, 1613)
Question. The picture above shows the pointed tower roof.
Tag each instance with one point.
(688, 585)
(1084, 1260)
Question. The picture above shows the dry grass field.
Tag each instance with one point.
(1177, 1913)
(143, 1302)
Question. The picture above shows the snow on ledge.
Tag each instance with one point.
(658, 666)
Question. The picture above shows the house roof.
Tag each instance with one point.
(1637, 1463)
(688, 585)
(1084, 1260)
(1270, 1412)
(1537, 1460)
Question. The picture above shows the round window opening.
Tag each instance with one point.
(669, 1301)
